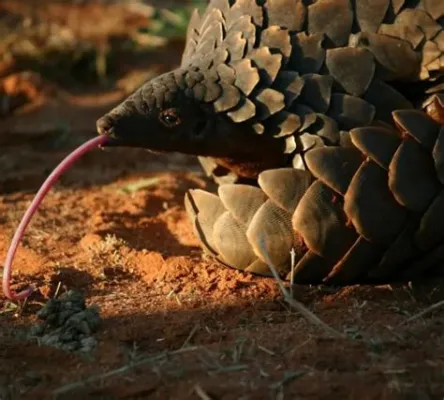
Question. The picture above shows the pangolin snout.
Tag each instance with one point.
(105, 126)
(124, 129)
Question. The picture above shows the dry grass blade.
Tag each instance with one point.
(201, 393)
(59, 285)
(288, 377)
(293, 263)
(428, 310)
(190, 336)
(313, 318)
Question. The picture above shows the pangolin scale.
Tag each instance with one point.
(323, 124)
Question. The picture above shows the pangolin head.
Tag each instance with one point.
(175, 112)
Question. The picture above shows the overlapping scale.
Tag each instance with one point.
(270, 233)
(285, 186)
(378, 143)
(371, 206)
(267, 63)
(244, 111)
(246, 76)
(204, 209)
(231, 242)
(242, 201)
(308, 52)
(282, 124)
(276, 39)
(418, 125)
(269, 102)
(335, 166)
(337, 28)
(245, 7)
(371, 13)
(316, 92)
(289, 83)
(352, 68)
(289, 14)
(350, 111)
(385, 99)
(326, 128)
(396, 59)
(245, 25)
(320, 219)
(412, 177)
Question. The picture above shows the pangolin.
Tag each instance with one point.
(322, 121)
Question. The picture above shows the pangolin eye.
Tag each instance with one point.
(170, 118)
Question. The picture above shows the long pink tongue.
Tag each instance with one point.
(59, 170)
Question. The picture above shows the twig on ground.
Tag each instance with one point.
(200, 392)
(229, 368)
(190, 336)
(265, 350)
(296, 304)
(288, 377)
(428, 310)
(293, 264)
(59, 285)
(22, 308)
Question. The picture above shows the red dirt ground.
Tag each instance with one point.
(175, 324)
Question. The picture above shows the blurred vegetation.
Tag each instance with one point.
(173, 22)
(91, 54)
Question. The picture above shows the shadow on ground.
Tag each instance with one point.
(282, 352)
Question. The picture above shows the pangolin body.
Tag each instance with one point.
(323, 123)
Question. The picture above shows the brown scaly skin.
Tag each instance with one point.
(302, 98)
(198, 131)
